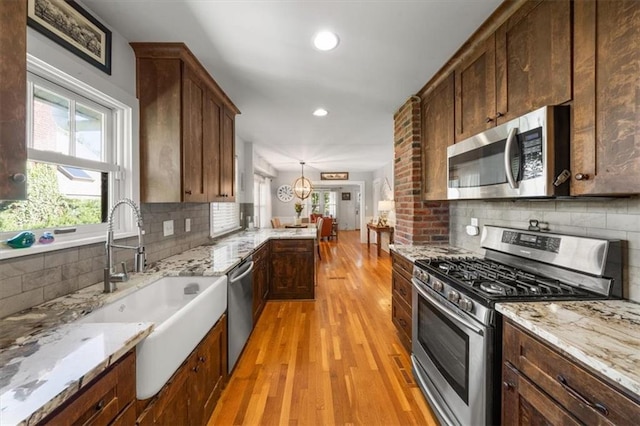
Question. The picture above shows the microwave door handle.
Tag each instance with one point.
(507, 158)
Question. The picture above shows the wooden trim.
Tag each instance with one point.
(488, 27)
(182, 52)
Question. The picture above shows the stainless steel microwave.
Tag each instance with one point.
(527, 157)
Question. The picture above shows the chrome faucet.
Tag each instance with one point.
(111, 278)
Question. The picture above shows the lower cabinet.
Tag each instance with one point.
(193, 391)
(260, 280)
(401, 298)
(108, 399)
(292, 269)
(542, 386)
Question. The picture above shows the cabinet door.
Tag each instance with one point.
(605, 153)
(208, 368)
(212, 113)
(13, 89)
(171, 406)
(475, 85)
(524, 404)
(227, 156)
(292, 273)
(438, 124)
(533, 58)
(193, 148)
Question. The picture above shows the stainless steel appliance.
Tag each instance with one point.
(239, 309)
(456, 333)
(525, 157)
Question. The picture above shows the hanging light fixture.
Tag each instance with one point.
(302, 186)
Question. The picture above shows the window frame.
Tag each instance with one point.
(119, 146)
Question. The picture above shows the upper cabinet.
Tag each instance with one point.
(524, 65)
(13, 90)
(437, 130)
(187, 124)
(533, 59)
(605, 151)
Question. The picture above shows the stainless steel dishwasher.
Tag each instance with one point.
(240, 309)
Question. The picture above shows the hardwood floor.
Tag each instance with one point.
(335, 360)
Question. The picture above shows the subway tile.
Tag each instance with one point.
(10, 287)
(623, 222)
(590, 220)
(634, 258)
(60, 257)
(91, 251)
(60, 289)
(41, 278)
(21, 301)
(19, 266)
(555, 219)
(572, 206)
(609, 234)
(72, 270)
(90, 278)
(634, 240)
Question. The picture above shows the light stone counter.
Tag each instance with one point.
(604, 335)
(45, 357)
(415, 252)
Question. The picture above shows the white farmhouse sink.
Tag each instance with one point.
(181, 321)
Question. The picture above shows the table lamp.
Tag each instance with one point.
(384, 207)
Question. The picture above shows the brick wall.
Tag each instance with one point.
(27, 281)
(417, 221)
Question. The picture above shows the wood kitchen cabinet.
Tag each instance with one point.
(13, 89)
(186, 128)
(542, 386)
(108, 399)
(261, 260)
(191, 394)
(401, 298)
(438, 125)
(292, 269)
(524, 65)
(605, 151)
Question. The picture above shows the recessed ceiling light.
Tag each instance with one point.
(320, 112)
(325, 40)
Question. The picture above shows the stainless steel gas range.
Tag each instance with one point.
(456, 350)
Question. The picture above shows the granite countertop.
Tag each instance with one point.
(604, 335)
(46, 357)
(415, 252)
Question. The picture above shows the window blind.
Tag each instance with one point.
(225, 217)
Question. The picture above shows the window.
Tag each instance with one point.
(261, 208)
(77, 143)
(323, 202)
(225, 217)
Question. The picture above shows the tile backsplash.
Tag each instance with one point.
(30, 280)
(607, 218)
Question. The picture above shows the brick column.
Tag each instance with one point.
(417, 221)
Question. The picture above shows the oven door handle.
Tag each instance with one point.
(507, 158)
(446, 311)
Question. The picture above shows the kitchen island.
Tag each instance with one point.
(36, 345)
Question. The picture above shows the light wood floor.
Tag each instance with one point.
(335, 360)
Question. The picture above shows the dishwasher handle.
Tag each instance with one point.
(241, 272)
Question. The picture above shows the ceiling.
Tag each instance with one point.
(260, 53)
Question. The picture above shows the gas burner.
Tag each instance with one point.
(492, 288)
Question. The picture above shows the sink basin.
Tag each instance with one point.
(183, 310)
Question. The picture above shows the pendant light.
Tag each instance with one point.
(302, 186)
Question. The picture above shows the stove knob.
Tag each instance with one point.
(465, 305)
(453, 296)
(437, 286)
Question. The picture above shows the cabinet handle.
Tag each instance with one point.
(488, 120)
(18, 178)
(100, 405)
(508, 385)
(595, 406)
(499, 114)
(195, 369)
(202, 359)
(403, 291)
(402, 322)
(582, 176)
(188, 191)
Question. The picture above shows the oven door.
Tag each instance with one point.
(451, 359)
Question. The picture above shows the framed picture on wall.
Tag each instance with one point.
(346, 196)
(334, 175)
(72, 27)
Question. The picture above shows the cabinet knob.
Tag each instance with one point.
(582, 176)
(499, 114)
(488, 120)
(188, 191)
(195, 369)
(18, 178)
(508, 385)
(100, 405)
(202, 359)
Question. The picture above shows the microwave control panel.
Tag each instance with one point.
(538, 242)
(531, 148)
